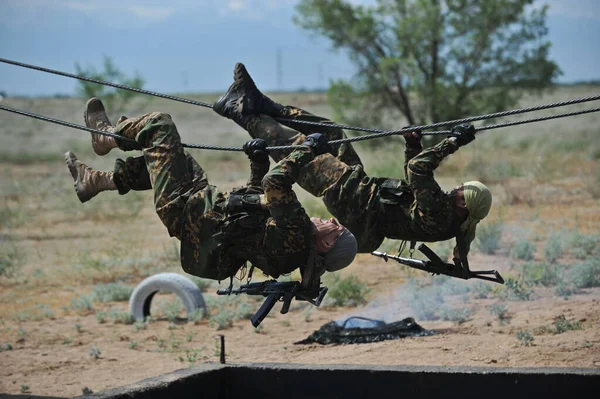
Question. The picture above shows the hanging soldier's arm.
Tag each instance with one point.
(258, 170)
(412, 148)
(287, 212)
(420, 168)
(277, 183)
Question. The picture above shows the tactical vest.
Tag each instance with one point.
(246, 219)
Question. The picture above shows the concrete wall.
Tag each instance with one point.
(286, 381)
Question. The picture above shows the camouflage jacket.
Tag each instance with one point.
(426, 213)
(272, 230)
(374, 208)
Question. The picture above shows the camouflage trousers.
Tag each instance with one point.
(165, 166)
(348, 193)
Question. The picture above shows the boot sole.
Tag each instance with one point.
(101, 108)
(70, 159)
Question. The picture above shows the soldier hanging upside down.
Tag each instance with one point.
(262, 223)
(414, 209)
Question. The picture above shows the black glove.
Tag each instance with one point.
(464, 134)
(318, 143)
(412, 137)
(257, 150)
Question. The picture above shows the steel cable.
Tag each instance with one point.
(376, 132)
(290, 147)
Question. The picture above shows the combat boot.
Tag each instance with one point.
(96, 118)
(243, 99)
(88, 182)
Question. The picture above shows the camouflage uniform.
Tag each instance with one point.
(371, 208)
(217, 237)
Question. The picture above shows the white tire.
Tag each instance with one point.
(183, 287)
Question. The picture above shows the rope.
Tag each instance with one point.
(481, 128)
(102, 82)
(376, 132)
(289, 147)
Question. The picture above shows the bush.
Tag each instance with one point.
(553, 248)
(120, 317)
(112, 292)
(459, 315)
(586, 274)
(223, 319)
(523, 250)
(94, 352)
(481, 289)
(499, 310)
(562, 324)
(585, 245)
(540, 274)
(346, 291)
(515, 290)
(525, 338)
(426, 302)
(488, 237)
(565, 289)
(11, 258)
(83, 304)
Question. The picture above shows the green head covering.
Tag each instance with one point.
(479, 201)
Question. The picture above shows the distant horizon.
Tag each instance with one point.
(594, 82)
(191, 46)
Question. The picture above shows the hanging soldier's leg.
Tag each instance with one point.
(95, 117)
(171, 171)
(87, 181)
(243, 100)
(344, 152)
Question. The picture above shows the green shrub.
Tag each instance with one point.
(565, 289)
(101, 317)
(540, 274)
(346, 291)
(6, 347)
(516, 290)
(223, 319)
(457, 315)
(120, 317)
(112, 292)
(562, 324)
(94, 352)
(196, 316)
(554, 247)
(425, 302)
(585, 245)
(481, 289)
(172, 309)
(525, 338)
(586, 274)
(11, 258)
(83, 304)
(523, 250)
(450, 286)
(488, 236)
(499, 310)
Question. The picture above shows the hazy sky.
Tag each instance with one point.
(192, 45)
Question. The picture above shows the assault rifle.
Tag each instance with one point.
(275, 291)
(436, 266)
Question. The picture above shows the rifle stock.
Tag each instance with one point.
(435, 265)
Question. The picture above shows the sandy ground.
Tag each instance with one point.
(52, 358)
